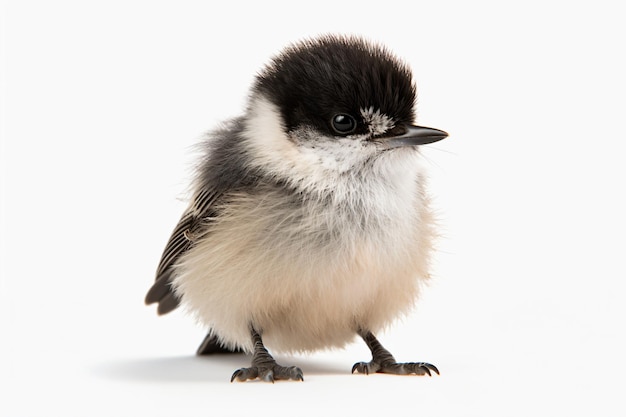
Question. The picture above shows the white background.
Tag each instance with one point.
(103, 101)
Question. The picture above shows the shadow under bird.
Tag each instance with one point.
(309, 222)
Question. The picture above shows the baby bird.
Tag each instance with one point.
(309, 221)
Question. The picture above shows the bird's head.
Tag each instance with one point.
(333, 104)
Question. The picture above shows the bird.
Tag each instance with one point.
(309, 221)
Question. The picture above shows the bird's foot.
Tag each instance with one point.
(268, 372)
(408, 368)
(264, 366)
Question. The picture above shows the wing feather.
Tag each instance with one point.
(190, 224)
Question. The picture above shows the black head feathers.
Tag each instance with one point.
(314, 80)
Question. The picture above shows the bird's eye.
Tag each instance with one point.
(343, 123)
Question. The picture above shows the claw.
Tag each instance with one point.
(299, 374)
(235, 375)
(425, 369)
(431, 367)
(361, 367)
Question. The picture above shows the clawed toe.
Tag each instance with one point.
(409, 368)
(365, 367)
(268, 374)
(383, 362)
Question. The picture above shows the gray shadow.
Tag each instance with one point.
(316, 367)
(213, 368)
(173, 369)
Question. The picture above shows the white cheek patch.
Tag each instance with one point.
(304, 157)
(377, 122)
(337, 155)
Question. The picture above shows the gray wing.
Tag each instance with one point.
(180, 241)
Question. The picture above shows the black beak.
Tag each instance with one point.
(413, 135)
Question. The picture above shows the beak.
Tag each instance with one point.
(413, 135)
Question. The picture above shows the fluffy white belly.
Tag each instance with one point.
(306, 276)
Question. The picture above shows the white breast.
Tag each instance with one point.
(308, 271)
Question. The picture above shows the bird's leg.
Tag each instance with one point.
(264, 366)
(383, 362)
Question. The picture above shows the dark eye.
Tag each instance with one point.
(343, 123)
